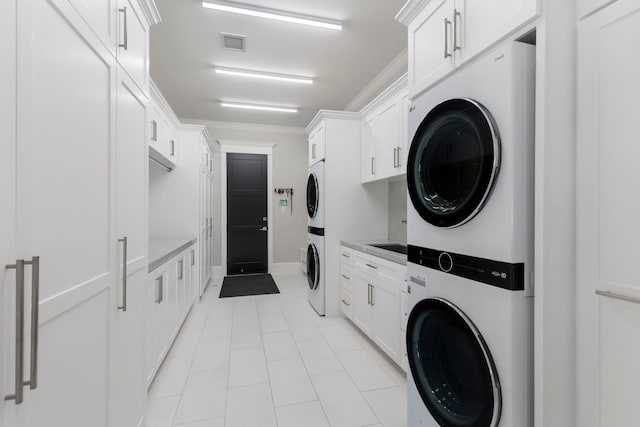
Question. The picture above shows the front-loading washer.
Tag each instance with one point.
(470, 348)
(316, 270)
(315, 195)
(470, 164)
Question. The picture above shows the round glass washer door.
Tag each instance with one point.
(452, 367)
(313, 267)
(312, 195)
(453, 162)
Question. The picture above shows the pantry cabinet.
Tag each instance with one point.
(72, 213)
(383, 143)
(443, 34)
(607, 211)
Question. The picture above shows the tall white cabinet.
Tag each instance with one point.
(71, 211)
(608, 208)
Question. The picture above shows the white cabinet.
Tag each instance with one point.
(346, 281)
(608, 208)
(163, 142)
(383, 143)
(443, 34)
(376, 303)
(317, 144)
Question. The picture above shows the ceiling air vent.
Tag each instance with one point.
(234, 42)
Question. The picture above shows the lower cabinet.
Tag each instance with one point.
(375, 301)
(170, 294)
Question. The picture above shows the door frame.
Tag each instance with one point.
(245, 147)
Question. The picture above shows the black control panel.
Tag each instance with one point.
(495, 273)
(316, 231)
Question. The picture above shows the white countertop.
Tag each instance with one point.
(162, 250)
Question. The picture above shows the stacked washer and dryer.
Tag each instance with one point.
(315, 249)
(470, 245)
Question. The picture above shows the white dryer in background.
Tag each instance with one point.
(316, 269)
(316, 195)
(470, 252)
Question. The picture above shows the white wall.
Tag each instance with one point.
(290, 167)
(398, 211)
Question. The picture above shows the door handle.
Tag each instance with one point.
(456, 15)
(123, 307)
(180, 270)
(372, 170)
(193, 257)
(19, 382)
(125, 43)
(264, 229)
(154, 130)
(446, 38)
(159, 291)
(368, 293)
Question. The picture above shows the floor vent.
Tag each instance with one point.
(234, 42)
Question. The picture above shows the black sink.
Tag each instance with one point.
(393, 247)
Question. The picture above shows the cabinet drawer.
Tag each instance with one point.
(346, 277)
(346, 255)
(345, 303)
(387, 271)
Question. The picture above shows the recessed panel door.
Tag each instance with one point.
(246, 213)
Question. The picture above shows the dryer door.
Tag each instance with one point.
(453, 162)
(313, 266)
(312, 195)
(451, 366)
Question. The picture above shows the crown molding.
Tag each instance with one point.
(250, 127)
(331, 114)
(150, 11)
(391, 91)
(391, 73)
(410, 10)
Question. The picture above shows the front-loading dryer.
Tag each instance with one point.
(316, 269)
(315, 195)
(470, 164)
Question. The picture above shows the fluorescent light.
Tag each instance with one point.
(258, 107)
(278, 15)
(263, 75)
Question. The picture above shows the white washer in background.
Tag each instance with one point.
(315, 195)
(316, 269)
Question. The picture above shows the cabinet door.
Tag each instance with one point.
(181, 282)
(317, 144)
(362, 315)
(156, 325)
(128, 387)
(431, 45)
(64, 214)
(608, 208)
(101, 17)
(405, 142)
(385, 301)
(480, 24)
(389, 138)
(368, 144)
(133, 42)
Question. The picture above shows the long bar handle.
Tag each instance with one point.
(159, 290)
(618, 296)
(369, 293)
(446, 38)
(456, 15)
(193, 257)
(372, 303)
(399, 162)
(173, 147)
(372, 170)
(19, 355)
(125, 245)
(35, 319)
(180, 270)
(125, 43)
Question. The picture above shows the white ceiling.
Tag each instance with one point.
(187, 44)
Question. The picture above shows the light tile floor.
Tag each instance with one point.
(271, 361)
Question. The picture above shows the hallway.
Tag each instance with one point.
(270, 361)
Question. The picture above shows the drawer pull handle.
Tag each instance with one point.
(375, 267)
(618, 296)
(346, 255)
(346, 303)
(346, 277)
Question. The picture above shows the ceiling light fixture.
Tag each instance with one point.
(258, 107)
(278, 15)
(262, 75)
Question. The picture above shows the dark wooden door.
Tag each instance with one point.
(246, 213)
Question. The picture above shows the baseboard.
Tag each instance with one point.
(286, 268)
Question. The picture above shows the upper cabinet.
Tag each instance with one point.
(383, 144)
(163, 141)
(443, 34)
(317, 144)
(123, 27)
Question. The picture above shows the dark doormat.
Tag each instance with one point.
(254, 284)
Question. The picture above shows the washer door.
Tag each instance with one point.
(313, 266)
(452, 367)
(312, 195)
(453, 162)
